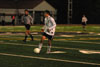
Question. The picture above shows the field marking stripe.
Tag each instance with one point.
(17, 44)
(51, 59)
(79, 41)
(85, 42)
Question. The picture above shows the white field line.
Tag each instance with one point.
(73, 41)
(85, 42)
(80, 42)
(50, 59)
(18, 44)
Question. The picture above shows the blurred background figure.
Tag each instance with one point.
(27, 19)
(84, 22)
(13, 20)
(3, 19)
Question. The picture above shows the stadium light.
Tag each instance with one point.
(70, 11)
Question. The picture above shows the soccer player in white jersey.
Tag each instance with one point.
(48, 30)
(84, 22)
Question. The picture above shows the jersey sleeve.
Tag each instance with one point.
(31, 19)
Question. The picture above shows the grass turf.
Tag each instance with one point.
(13, 44)
(59, 28)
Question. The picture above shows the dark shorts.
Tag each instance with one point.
(27, 26)
(83, 23)
(47, 36)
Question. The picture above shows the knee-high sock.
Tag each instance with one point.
(31, 36)
(40, 46)
(25, 37)
(49, 48)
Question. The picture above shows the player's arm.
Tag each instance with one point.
(86, 19)
(42, 30)
(31, 19)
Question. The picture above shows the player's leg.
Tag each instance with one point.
(29, 33)
(49, 46)
(41, 42)
(32, 38)
(50, 38)
(84, 28)
(26, 33)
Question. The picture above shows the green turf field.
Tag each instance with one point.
(15, 53)
(67, 50)
(59, 28)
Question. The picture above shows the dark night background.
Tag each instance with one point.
(89, 7)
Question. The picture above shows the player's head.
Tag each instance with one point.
(46, 13)
(26, 12)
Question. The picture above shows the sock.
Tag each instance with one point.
(49, 49)
(25, 38)
(31, 37)
(40, 46)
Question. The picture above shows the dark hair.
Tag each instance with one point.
(47, 11)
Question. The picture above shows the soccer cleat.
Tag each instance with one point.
(25, 39)
(49, 49)
(32, 39)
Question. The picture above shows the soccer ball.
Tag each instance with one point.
(37, 50)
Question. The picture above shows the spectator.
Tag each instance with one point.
(13, 20)
(3, 19)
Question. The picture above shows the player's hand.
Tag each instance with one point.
(42, 30)
(48, 30)
(31, 24)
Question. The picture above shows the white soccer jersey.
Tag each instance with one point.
(51, 25)
(84, 19)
